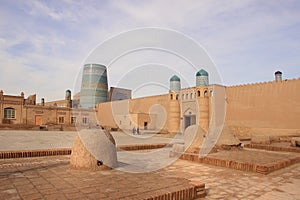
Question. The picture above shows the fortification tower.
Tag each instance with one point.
(278, 76)
(202, 98)
(94, 87)
(175, 83)
(68, 98)
(174, 106)
(43, 101)
(202, 78)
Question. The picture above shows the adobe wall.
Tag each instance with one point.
(274, 105)
(154, 106)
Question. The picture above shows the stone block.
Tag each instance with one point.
(93, 149)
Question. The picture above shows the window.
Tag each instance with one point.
(61, 120)
(211, 93)
(177, 96)
(73, 120)
(191, 95)
(182, 97)
(171, 96)
(198, 93)
(85, 120)
(9, 113)
(205, 93)
(187, 96)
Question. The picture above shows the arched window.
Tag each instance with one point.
(187, 96)
(171, 96)
(177, 96)
(182, 98)
(211, 93)
(198, 93)
(205, 93)
(191, 95)
(9, 113)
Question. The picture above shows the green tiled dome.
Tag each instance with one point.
(175, 78)
(202, 72)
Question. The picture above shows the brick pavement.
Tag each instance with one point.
(50, 178)
(225, 183)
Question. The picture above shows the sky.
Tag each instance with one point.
(44, 44)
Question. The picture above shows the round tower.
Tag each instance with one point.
(175, 83)
(278, 76)
(173, 114)
(203, 107)
(94, 87)
(68, 95)
(202, 78)
(203, 98)
(68, 98)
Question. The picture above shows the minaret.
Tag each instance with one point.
(94, 85)
(174, 106)
(203, 98)
(68, 98)
(278, 76)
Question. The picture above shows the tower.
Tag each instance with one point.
(174, 106)
(202, 78)
(203, 98)
(278, 76)
(94, 87)
(68, 98)
(175, 83)
(68, 95)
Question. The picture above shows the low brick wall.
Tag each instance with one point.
(67, 151)
(272, 148)
(243, 166)
(195, 191)
(34, 153)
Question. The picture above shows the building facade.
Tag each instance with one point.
(18, 112)
(270, 106)
(264, 107)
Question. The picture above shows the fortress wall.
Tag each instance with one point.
(154, 106)
(264, 105)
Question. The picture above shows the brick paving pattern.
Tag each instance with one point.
(50, 178)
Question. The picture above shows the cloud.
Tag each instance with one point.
(46, 42)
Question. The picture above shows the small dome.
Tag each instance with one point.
(174, 78)
(202, 72)
(278, 72)
(68, 91)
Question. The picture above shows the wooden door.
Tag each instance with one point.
(38, 120)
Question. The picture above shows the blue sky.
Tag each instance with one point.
(43, 44)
